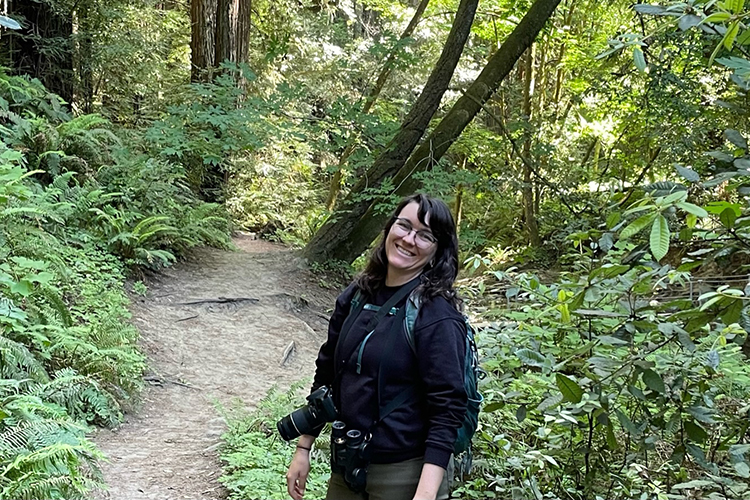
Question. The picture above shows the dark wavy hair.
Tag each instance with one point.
(438, 276)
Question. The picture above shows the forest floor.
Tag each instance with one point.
(214, 328)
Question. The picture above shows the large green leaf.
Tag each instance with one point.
(626, 423)
(639, 59)
(637, 225)
(653, 381)
(727, 217)
(688, 174)
(730, 35)
(659, 241)
(653, 10)
(570, 390)
(735, 138)
(531, 358)
(692, 209)
(695, 432)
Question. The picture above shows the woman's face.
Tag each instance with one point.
(408, 252)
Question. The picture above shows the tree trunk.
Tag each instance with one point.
(528, 184)
(352, 232)
(43, 48)
(331, 241)
(232, 31)
(82, 60)
(202, 39)
(335, 187)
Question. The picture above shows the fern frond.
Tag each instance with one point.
(16, 361)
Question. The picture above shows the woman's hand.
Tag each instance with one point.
(296, 476)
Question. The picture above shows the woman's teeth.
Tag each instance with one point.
(404, 252)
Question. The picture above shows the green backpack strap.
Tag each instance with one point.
(413, 303)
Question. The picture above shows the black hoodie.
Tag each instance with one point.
(427, 423)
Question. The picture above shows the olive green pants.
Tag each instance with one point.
(388, 482)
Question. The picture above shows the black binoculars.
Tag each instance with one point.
(349, 455)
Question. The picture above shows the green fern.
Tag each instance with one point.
(81, 396)
(17, 362)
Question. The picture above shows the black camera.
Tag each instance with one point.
(310, 418)
(349, 456)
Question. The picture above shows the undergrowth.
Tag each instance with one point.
(79, 212)
(255, 459)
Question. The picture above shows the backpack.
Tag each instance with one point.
(472, 372)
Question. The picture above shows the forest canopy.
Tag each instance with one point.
(595, 156)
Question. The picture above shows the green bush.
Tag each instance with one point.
(255, 459)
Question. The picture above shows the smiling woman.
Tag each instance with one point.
(397, 411)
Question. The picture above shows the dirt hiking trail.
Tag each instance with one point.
(221, 326)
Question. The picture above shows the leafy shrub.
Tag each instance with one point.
(603, 385)
(255, 457)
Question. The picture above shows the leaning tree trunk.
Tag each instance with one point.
(352, 232)
(202, 38)
(335, 187)
(328, 242)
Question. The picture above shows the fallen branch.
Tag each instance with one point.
(288, 353)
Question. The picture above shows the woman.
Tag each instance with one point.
(410, 448)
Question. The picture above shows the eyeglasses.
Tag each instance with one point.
(423, 239)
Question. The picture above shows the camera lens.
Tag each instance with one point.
(302, 421)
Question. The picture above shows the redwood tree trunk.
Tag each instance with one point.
(527, 191)
(351, 233)
(202, 38)
(332, 240)
(232, 30)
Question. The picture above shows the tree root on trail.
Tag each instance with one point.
(157, 380)
(185, 319)
(219, 300)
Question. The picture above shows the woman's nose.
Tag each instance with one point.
(410, 237)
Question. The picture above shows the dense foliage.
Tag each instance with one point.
(601, 195)
(78, 210)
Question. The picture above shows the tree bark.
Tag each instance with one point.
(332, 240)
(202, 39)
(335, 186)
(232, 31)
(346, 237)
(82, 60)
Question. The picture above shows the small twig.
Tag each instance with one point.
(637, 182)
(185, 319)
(321, 315)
